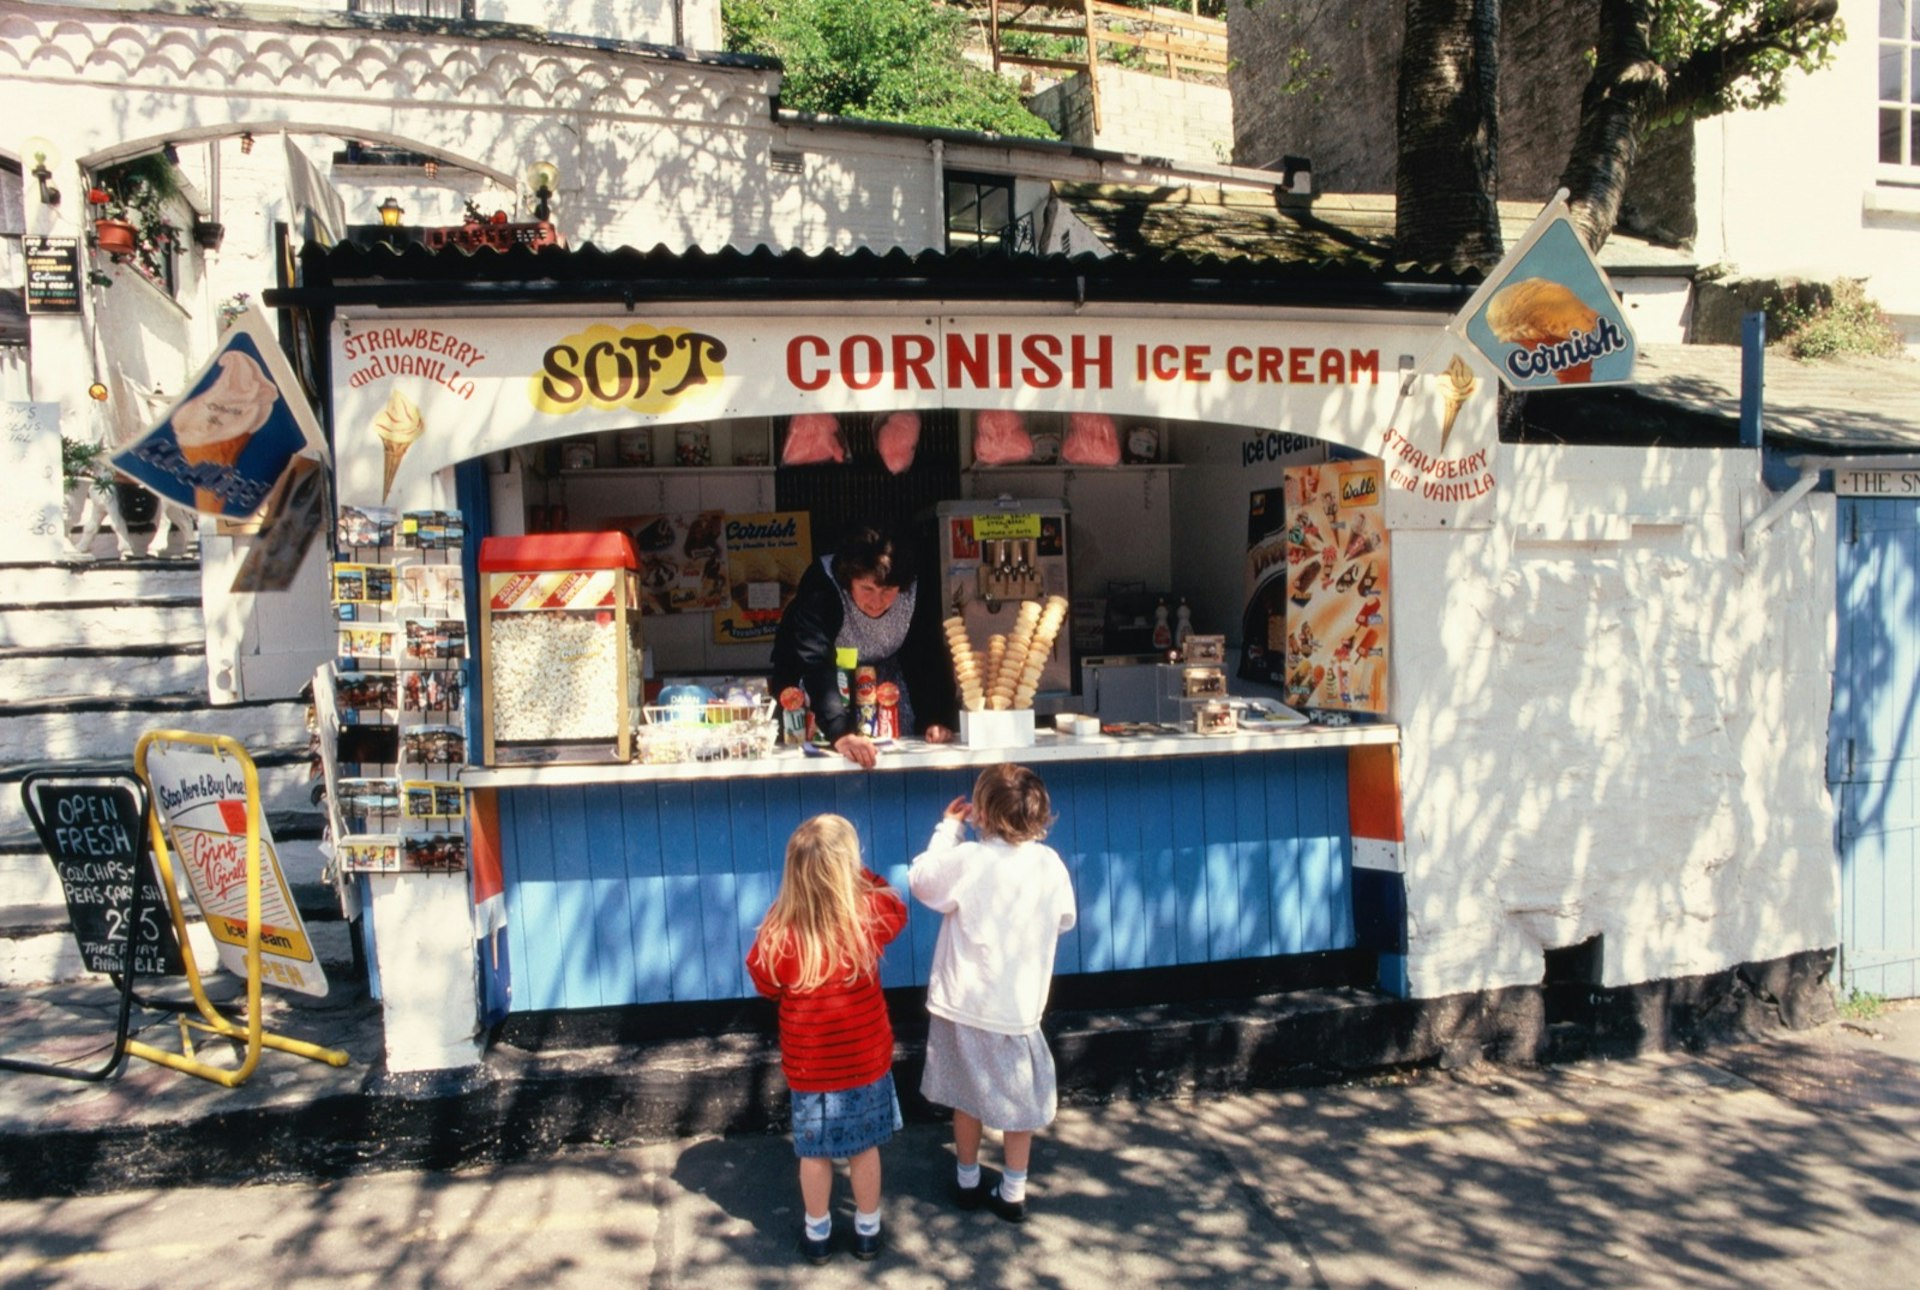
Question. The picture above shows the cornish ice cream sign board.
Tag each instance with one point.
(222, 448)
(1547, 318)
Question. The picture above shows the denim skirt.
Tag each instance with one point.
(844, 1123)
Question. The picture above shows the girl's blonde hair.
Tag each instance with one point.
(821, 915)
(1010, 803)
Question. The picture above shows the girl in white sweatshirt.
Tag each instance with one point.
(1006, 899)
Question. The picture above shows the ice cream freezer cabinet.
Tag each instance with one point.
(623, 887)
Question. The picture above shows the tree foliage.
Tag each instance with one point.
(1655, 63)
(879, 60)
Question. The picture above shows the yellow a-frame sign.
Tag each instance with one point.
(231, 758)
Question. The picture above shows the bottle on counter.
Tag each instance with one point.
(1162, 630)
(1183, 624)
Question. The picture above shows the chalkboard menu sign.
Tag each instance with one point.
(53, 275)
(94, 831)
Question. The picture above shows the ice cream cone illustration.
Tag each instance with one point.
(1457, 385)
(398, 425)
(215, 426)
(1537, 313)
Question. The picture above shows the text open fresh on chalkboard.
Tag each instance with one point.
(94, 831)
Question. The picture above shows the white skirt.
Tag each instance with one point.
(1004, 1081)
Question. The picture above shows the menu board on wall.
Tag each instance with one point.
(1336, 587)
(53, 274)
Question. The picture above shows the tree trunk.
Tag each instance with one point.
(1447, 169)
(1614, 109)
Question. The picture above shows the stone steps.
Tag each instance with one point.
(71, 672)
(94, 654)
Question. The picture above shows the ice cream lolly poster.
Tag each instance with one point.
(1336, 587)
(222, 447)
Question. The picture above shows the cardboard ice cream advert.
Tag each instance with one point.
(1337, 592)
(766, 554)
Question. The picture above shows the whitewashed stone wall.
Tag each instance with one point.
(1615, 722)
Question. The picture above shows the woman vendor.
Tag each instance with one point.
(864, 597)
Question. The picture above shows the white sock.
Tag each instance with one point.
(968, 1176)
(819, 1229)
(866, 1224)
(1013, 1186)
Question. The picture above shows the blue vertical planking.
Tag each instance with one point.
(603, 826)
(1159, 863)
(713, 802)
(649, 892)
(1186, 806)
(639, 809)
(1254, 863)
(1093, 893)
(1873, 764)
(680, 865)
(1064, 791)
(1127, 906)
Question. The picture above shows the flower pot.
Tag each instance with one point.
(207, 234)
(114, 236)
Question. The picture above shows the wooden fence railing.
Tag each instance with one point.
(1179, 43)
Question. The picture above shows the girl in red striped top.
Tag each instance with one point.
(818, 954)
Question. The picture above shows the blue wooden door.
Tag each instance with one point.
(1874, 751)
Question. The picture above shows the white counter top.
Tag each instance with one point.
(913, 754)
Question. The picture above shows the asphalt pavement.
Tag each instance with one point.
(1792, 1160)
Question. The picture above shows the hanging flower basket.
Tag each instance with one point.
(114, 236)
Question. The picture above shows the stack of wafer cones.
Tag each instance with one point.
(1006, 676)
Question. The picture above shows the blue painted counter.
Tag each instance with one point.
(637, 884)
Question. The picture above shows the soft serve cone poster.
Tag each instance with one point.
(224, 445)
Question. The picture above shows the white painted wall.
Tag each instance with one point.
(1617, 738)
(1797, 189)
(650, 22)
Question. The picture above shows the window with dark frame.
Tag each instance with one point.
(980, 215)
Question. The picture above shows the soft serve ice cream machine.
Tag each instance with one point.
(995, 555)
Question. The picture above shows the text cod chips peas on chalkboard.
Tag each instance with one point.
(94, 830)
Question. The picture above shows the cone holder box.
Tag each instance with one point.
(1012, 728)
(571, 587)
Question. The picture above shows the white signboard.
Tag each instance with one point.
(201, 798)
(1876, 483)
(413, 397)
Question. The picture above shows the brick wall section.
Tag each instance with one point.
(1342, 116)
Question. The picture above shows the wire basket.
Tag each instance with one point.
(707, 732)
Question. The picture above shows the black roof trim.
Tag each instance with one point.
(412, 277)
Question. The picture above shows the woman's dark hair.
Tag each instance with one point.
(869, 553)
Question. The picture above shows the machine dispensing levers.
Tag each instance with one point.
(1008, 572)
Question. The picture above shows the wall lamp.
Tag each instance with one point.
(391, 211)
(541, 177)
(49, 195)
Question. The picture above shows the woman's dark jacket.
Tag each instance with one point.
(803, 655)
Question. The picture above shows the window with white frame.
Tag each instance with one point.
(1900, 85)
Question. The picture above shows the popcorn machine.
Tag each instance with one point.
(560, 644)
(993, 556)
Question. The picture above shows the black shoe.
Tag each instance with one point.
(867, 1248)
(970, 1198)
(1013, 1211)
(816, 1252)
